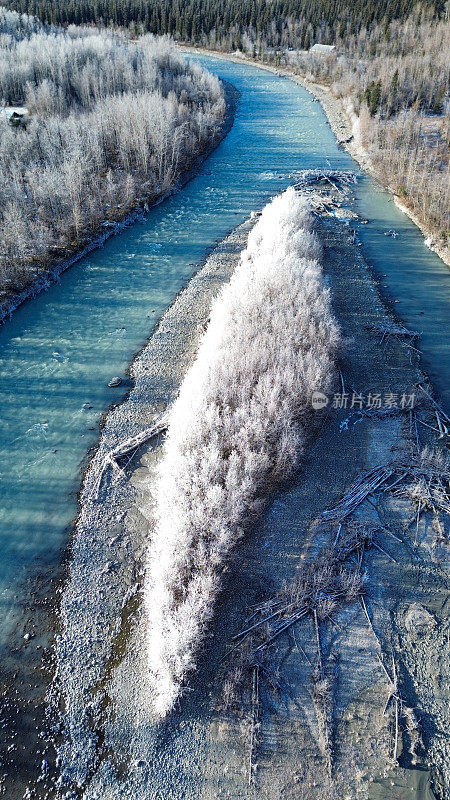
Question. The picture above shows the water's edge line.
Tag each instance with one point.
(134, 413)
(89, 519)
(338, 120)
(51, 276)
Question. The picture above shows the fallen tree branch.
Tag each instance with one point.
(253, 723)
(364, 486)
(126, 447)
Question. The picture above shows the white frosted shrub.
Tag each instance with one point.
(237, 428)
(112, 125)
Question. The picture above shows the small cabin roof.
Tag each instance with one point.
(322, 48)
(17, 111)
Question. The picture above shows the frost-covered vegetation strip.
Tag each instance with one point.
(237, 428)
(394, 81)
(390, 65)
(110, 123)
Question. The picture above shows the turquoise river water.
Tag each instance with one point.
(59, 350)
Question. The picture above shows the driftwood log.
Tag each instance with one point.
(309, 177)
(128, 448)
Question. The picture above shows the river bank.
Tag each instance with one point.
(109, 744)
(112, 227)
(59, 352)
(344, 124)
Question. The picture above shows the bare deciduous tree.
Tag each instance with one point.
(112, 124)
(237, 427)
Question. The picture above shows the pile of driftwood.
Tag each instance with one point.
(424, 479)
(366, 485)
(393, 329)
(322, 587)
(332, 580)
(408, 338)
(334, 178)
(425, 411)
(326, 189)
(320, 590)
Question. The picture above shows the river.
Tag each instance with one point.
(60, 349)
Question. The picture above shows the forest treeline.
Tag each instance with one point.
(290, 23)
(393, 82)
(112, 124)
(390, 69)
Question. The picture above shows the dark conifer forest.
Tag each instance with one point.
(281, 22)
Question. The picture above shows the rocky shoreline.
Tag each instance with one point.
(342, 125)
(106, 565)
(109, 744)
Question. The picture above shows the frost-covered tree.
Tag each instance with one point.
(111, 123)
(237, 428)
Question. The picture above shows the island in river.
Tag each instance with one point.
(171, 745)
(382, 658)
